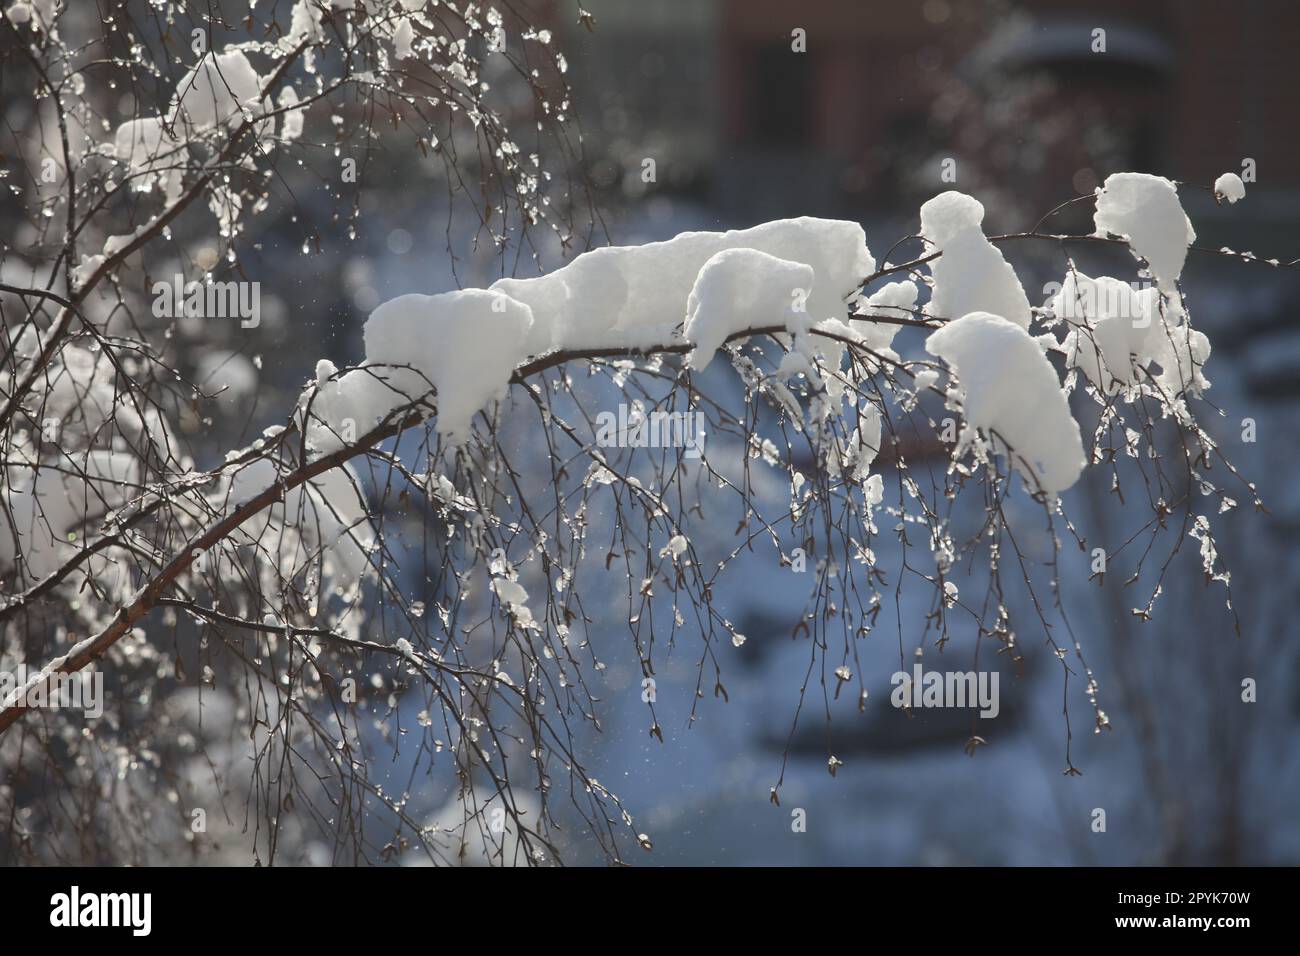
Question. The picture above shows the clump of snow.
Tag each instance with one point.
(677, 546)
(948, 215)
(291, 127)
(1230, 187)
(39, 13)
(217, 90)
(1111, 325)
(893, 300)
(924, 379)
(512, 595)
(576, 303)
(464, 344)
(1117, 329)
(636, 296)
(1008, 389)
(221, 89)
(1182, 352)
(339, 409)
(971, 275)
(304, 23)
(739, 289)
(1145, 210)
(402, 38)
(152, 156)
(137, 141)
(699, 287)
(864, 443)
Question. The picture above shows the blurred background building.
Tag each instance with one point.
(715, 90)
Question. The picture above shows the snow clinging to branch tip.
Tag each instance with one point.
(739, 289)
(1008, 389)
(971, 275)
(1145, 210)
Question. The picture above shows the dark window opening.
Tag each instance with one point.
(780, 105)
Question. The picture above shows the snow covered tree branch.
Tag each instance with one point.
(456, 520)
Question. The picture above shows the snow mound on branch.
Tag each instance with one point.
(291, 127)
(1007, 386)
(739, 289)
(40, 13)
(1112, 324)
(217, 90)
(341, 408)
(948, 215)
(1145, 210)
(152, 156)
(971, 275)
(1230, 187)
(893, 297)
(466, 344)
(138, 141)
(402, 38)
(893, 300)
(636, 296)
(1182, 352)
(578, 303)
(304, 24)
